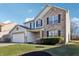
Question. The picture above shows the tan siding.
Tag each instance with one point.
(8, 27)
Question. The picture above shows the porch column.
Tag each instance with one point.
(40, 33)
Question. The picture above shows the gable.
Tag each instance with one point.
(43, 12)
(18, 28)
(46, 9)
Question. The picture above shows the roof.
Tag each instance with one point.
(23, 26)
(1, 24)
(6, 23)
(38, 14)
(6, 28)
(58, 7)
(46, 8)
(20, 26)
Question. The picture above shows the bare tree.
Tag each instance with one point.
(74, 30)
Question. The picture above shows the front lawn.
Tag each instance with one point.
(71, 49)
(19, 49)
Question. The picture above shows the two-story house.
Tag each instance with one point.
(52, 21)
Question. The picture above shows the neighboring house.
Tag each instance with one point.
(52, 21)
(4, 31)
(12, 32)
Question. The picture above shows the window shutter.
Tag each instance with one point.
(30, 26)
(59, 18)
(59, 33)
(47, 33)
(47, 20)
(41, 22)
(36, 23)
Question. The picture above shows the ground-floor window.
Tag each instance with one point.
(53, 33)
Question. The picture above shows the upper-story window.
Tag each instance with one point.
(38, 23)
(32, 25)
(51, 20)
(54, 19)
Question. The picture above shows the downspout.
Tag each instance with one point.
(67, 38)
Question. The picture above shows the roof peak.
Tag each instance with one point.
(50, 6)
(56, 7)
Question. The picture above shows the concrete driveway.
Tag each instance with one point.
(6, 44)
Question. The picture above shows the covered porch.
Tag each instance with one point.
(37, 34)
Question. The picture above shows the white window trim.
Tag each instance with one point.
(39, 23)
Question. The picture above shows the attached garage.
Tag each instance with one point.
(19, 34)
(18, 37)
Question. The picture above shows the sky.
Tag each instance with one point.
(19, 12)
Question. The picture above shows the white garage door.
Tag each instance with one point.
(18, 37)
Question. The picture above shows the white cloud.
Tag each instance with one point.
(74, 19)
(7, 21)
(29, 19)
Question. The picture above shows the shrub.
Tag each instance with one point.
(51, 40)
(6, 38)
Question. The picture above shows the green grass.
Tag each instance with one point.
(58, 50)
(18, 49)
(65, 50)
